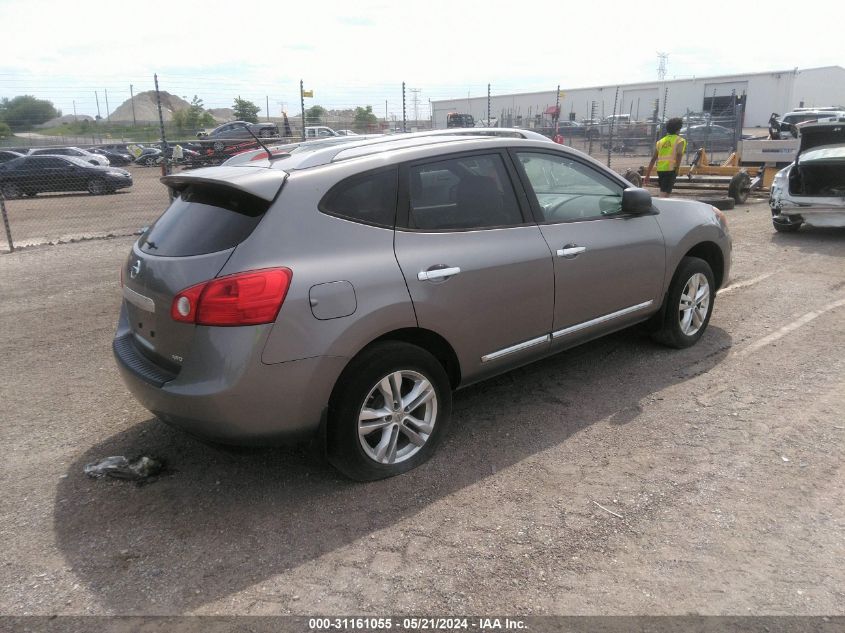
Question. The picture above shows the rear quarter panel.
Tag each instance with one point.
(321, 249)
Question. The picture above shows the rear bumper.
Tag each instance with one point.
(225, 393)
(833, 216)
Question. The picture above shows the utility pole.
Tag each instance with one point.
(108, 114)
(385, 113)
(556, 116)
(302, 105)
(404, 115)
(97, 97)
(74, 110)
(661, 68)
(488, 105)
(164, 164)
(132, 101)
(416, 93)
(267, 105)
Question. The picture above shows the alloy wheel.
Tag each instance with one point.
(695, 301)
(397, 417)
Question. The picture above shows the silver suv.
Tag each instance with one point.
(345, 292)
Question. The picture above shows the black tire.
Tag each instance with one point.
(723, 204)
(782, 227)
(669, 329)
(633, 177)
(11, 191)
(740, 187)
(266, 133)
(97, 187)
(344, 446)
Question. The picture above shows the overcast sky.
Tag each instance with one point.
(359, 52)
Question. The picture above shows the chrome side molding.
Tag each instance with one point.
(602, 319)
(515, 348)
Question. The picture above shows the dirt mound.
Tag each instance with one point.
(146, 108)
(221, 115)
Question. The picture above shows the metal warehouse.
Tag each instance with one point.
(777, 91)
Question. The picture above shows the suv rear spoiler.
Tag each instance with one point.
(261, 183)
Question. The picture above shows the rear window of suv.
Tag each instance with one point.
(204, 219)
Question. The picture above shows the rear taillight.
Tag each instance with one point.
(248, 298)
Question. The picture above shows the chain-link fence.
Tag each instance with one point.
(100, 178)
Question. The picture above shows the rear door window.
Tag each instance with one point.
(204, 219)
(473, 192)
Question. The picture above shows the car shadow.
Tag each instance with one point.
(222, 520)
(814, 239)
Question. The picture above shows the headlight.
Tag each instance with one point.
(114, 172)
(723, 219)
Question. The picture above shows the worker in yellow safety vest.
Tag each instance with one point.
(668, 153)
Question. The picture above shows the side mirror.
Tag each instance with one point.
(636, 201)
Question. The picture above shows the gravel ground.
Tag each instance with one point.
(617, 478)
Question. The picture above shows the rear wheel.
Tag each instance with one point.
(740, 187)
(389, 410)
(689, 304)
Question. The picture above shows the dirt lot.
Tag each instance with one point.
(61, 217)
(724, 464)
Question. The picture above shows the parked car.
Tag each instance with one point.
(343, 293)
(812, 189)
(114, 157)
(319, 131)
(7, 155)
(801, 115)
(711, 137)
(456, 119)
(31, 175)
(150, 156)
(94, 159)
(236, 130)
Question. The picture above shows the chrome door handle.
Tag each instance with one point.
(437, 273)
(570, 250)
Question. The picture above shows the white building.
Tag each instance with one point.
(777, 91)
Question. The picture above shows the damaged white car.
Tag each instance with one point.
(812, 189)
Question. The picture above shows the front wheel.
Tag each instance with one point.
(689, 304)
(11, 190)
(389, 410)
(97, 187)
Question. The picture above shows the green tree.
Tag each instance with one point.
(314, 115)
(246, 110)
(365, 118)
(5, 130)
(22, 112)
(192, 118)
